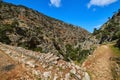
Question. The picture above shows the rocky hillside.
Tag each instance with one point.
(110, 31)
(39, 47)
(16, 63)
(24, 27)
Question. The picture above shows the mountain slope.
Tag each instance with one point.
(56, 43)
(21, 26)
(110, 31)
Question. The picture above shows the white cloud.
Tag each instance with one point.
(98, 26)
(56, 3)
(100, 2)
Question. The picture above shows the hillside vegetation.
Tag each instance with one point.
(27, 28)
(110, 31)
(34, 46)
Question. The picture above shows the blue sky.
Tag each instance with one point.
(85, 13)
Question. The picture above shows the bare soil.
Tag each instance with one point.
(9, 69)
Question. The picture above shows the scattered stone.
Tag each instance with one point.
(86, 76)
(67, 76)
(47, 74)
(46, 64)
(30, 63)
(55, 77)
(73, 70)
(36, 72)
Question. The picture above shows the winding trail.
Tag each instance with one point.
(98, 64)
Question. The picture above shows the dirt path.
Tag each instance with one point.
(98, 64)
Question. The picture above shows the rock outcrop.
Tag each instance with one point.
(40, 66)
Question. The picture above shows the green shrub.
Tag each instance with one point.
(3, 29)
(76, 54)
(118, 34)
(118, 44)
(7, 28)
(95, 31)
(71, 52)
(83, 55)
(38, 49)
